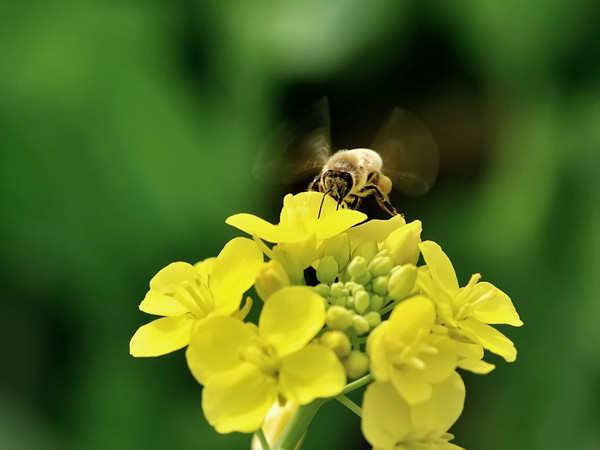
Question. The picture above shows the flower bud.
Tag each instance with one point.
(356, 364)
(323, 290)
(338, 290)
(363, 279)
(350, 302)
(271, 277)
(361, 301)
(353, 287)
(338, 318)
(340, 301)
(376, 302)
(403, 243)
(373, 318)
(339, 248)
(402, 282)
(380, 285)
(357, 267)
(380, 265)
(327, 270)
(338, 342)
(360, 324)
(366, 249)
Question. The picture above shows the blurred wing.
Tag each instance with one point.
(409, 153)
(296, 151)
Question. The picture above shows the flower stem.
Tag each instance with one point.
(349, 404)
(263, 440)
(358, 383)
(297, 426)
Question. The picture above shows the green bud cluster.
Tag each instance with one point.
(370, 282)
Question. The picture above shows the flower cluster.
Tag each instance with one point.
(342, 298)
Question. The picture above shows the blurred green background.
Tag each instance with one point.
(128, 129)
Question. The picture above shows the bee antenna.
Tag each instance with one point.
(322, 200)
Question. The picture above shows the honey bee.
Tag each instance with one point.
(403, 157)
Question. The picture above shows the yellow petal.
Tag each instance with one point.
(233, 272)
(375, 229)
(408, 317)
(440, 267)
(440, 366)
(490, 338)
(337, 222)
(215, 345)
(238, 400)
(162, 336)
(170, 281)
(377, 353)
(292, 317)
(313, 372)
(476, 366)
(204, 267)
(155, 302)
(443, 408)
(411, 386)
(385, 416)
(173, 275)
(256, 226)
(494, 307)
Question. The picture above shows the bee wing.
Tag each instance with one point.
(297, 151)
(409, 153)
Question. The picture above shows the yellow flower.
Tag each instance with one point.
(300, 231)
(244, 368)
(389, 423)
(404, 352)
(300, 219)
(467, 311)
(186, 294)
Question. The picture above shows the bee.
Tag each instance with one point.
(403, 157)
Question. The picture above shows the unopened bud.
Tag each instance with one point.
(402, 282)
(366, 249)
(357, 267)
(353, 287)
(338, 318)
(380, 285)
(403, 243)
(360, 324)
(373, 318)
(338, 342)
(323, 290)
(327, 270)
(380, 265)
(271, 277)
(339, 248)
(356, 364)
(338, 290)
(363, 279)
(376, 302)
(341, 301)
(361, 301)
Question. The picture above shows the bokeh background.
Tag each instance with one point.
(127, 133)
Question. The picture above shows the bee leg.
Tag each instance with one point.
(315, 185)
(354, 203)
(382, 200)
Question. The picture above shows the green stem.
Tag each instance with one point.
(263, 440)
(358, 383)
(349, 404)
(297, 426)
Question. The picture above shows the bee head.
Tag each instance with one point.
(338, 184)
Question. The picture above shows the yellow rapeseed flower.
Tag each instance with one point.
(245, 368)
(467, 311)
(404, 352)
(389, 423)
(186, 294)
(300, 231)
